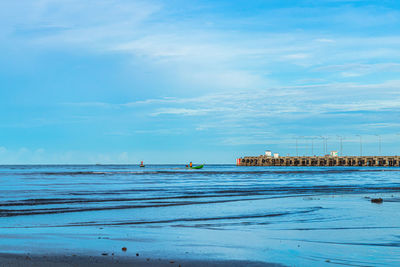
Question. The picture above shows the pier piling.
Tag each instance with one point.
(365, 161)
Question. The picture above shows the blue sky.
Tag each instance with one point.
(114, 81)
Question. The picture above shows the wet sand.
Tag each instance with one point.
(19, 260)
(222, 215)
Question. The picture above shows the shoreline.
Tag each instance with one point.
(60, 260)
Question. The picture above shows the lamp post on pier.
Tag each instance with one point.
(312, 146)
(324, 144)
(305, 148)
(397, 134)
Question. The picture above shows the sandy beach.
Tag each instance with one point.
(17, 260)
(72, 215)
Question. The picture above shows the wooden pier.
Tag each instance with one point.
(364, 161)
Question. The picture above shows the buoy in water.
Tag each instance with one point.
(141, 164)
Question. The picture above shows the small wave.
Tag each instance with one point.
(202, 219)
(25, 212)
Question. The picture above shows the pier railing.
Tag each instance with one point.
(371, 161)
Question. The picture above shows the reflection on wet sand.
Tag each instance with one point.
(293, 216)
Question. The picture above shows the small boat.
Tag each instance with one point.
(196, 167)
(141, 164)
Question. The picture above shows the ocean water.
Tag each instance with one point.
(297, 216)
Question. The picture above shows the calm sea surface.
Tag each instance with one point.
(303, 216)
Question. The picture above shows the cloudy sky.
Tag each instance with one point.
(117, 81)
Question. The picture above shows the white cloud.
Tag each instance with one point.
(234, 78)
(247, 112)
(382, 125)
(359, 69)
(208, 58)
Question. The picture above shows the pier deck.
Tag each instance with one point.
(371, 161)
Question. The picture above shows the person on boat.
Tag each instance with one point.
(190, 164)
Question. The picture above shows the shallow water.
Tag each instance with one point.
(291, 215)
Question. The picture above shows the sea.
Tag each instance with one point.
(294, 216)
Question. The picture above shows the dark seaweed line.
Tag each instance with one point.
(271, 193)
(238, 217)
(267, 193)
(58, 201)
(28, 212)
